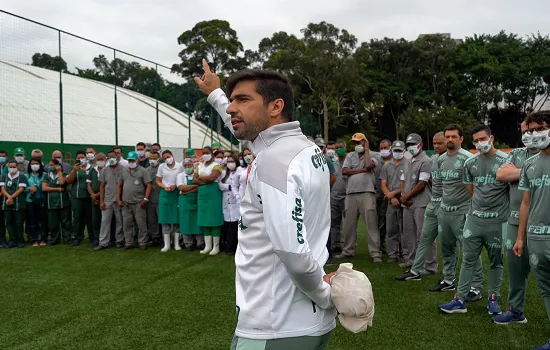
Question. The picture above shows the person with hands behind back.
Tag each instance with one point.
(13, 185)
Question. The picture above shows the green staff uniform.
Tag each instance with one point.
(81, 204)
(59, 210)
(188, 211)
(14, 214)
(209, 201)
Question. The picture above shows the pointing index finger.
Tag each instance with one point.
(205, 66)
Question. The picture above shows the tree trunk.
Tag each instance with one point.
(326, 120)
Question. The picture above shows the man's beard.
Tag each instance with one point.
(451, 146)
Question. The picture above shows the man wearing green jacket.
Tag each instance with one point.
(80, 198)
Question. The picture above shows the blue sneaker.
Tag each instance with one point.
(76, 243)
(456, 306)
(544, 347)
(509, 317)
(4, 245)
(94, 243)
(20, 245)
(492, 305)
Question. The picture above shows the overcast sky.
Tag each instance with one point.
(150, 28)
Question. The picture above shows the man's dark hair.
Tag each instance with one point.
(117, 147)
(141, 144)
(539, 117)
(3, 152)
(156, 144)
(341, 142)
(158, 154)
(388, 141)
(269, 84)
(80, 152)
(167, 151)
(452, 127)
(330, 143)
(111, 152)
(92, 147)
(482, 127)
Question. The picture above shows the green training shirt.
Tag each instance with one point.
(455, 198)
(535, 178)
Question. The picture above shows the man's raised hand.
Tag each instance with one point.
(209, 81)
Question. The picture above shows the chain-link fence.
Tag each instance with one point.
(61, 91)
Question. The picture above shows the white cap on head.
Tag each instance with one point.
(352, 295)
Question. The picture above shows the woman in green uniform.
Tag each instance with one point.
(80, 198)
(189, 226)
(93, 186)
(13, 204)
(209, 202)
(57, 203)
(36, 219)
(168, 199)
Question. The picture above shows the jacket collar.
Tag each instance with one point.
(267, 137)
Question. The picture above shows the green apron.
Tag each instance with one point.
(188, 213)
(209, 200)
(168, 207)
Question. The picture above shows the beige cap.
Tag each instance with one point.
(358, 137)
(352, 295)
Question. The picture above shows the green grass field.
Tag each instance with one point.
(73, 298)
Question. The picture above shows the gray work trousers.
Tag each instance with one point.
(413, 220)
(394, 230)
(111, 209)
(134, 213)
(337, 208)
(361, 205)
(152, 221)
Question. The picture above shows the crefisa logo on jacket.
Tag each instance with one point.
(297, 216)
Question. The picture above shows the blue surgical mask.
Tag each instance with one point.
(2, 160)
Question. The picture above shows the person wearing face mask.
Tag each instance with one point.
(108, 182)
(534, 221)
(321, 144)
(216, 146)
(36, 218)
(518, 266)
(168, 199)
(119, 156)
(385, 156)
(337, 198)
(188, 215)
(231, 205)
(361, 199)
(209, 201)
(485, 223)
(90, 155)
(415, 197)
(422, 266)
(57, 203)
(390, 183)
(13, 185)
(219, 158)
(80, 198)
(3, 162)
(66, 167)
(238, 186)
(133, 192)
(143, 160)
(148, 150)
(152, 205)
(19, 157)
(94, 189)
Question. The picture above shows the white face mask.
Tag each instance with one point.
(132, 165)
(83, 161)
(101, 163)
(169, 160)
(527, 140)
(541, 139)
(207, 158)
(385, 153)
(140, 153)
(35, 167)
(241, 162)
(413, 150)
(90, 156)
(111, 161)
(147, 154)
(331, 153)
(248, 159)
(359, 149)
(218, 160)
(19, 159)
(231, 166)
(12, 171)
(154, 162)
(398, 155)
(484, 146)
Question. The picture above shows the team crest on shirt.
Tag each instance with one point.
(467, 233)
(509, 244)
(533, 259)
(414, 177)
(458, 164)
(495, 167)
(9, 183)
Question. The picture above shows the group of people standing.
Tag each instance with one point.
(143, 200)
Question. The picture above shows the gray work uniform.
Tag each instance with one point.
(360, 202)
(134, 185)
(337, 205)
(110, 176)
(153, 207)
(418, 169)
(392, 172)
